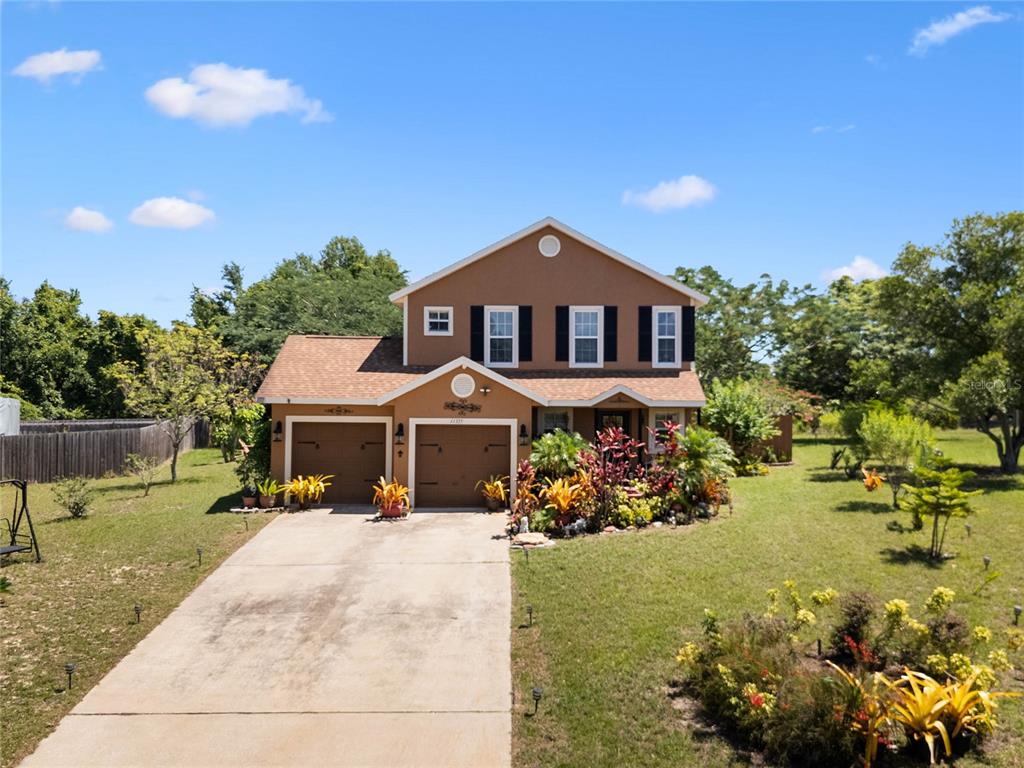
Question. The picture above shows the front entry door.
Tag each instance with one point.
(605, 419)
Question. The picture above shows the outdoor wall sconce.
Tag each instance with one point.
(524, 437)
(485, 390)
(277, 432)
(400, 434)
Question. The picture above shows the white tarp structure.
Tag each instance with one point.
(10, 416)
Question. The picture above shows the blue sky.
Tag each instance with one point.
(787, 138)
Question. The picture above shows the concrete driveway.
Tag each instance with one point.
(327, 640)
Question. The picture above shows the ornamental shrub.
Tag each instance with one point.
(741, 413)
(556, 454)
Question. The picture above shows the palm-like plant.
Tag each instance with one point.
(555, 454)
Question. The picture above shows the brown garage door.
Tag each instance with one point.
(352, 452)
(451, 459)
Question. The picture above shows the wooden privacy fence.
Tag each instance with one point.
(46, 450)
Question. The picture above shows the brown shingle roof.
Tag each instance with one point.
(312, 368)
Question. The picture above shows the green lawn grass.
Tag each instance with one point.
(611, 610)
(77, 605)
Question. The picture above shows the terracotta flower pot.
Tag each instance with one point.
(266, 502)
(248, 502)
(395, 510)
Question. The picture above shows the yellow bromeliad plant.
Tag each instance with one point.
(306, 489)
(495, 489)
(561, 495)
(872, 716)
(391, 498)
(919, 703)
(971, 709)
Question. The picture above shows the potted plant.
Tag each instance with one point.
(268, 488)
(307, 489)
(391, 499)
(495, 491)
(249, 497)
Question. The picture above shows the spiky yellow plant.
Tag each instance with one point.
(561, 495)
(389, 495)
(969, 708)
(307, 489)
(495, 487)
(918, 705)
(873, 712)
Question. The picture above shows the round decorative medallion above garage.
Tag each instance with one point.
(463, 385)
(549, 246)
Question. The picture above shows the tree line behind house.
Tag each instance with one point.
(941, 338)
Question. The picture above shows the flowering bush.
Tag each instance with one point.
(691, 470)
(755, 677)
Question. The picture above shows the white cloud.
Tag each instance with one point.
(845, 128)
(219, 95)
(171, 213)
(875, 60)
(938, 32)
(679, 193)
(45, 66)
(861, 268)
(821, 128)
(86, 220)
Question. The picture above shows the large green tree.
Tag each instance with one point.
(46, 343)
(959, 308)
(343, 291)
(739, 329)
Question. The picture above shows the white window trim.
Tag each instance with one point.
(652, 415)
(514, 309)
(572, 336)
(546, 409)
(678, 312)
(426, 321)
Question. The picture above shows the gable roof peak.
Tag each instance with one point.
(699, 299)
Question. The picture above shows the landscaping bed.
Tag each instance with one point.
(611, 612)
(77, 606)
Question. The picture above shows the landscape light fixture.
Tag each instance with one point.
(70, 669)
(537, 693)
(1017, 610)
(529, 614)
(277, 432)
(987, 561)
(400, 434)
(967, 527)
(138, 613)
(524, 437)
(199, 554)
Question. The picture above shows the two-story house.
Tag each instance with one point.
(546, 328)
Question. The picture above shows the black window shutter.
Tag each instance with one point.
(643, 335)
(525, 333)
(689, 338)
(562, 333)
(476, 333)
(611, 334)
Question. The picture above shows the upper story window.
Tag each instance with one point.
(437, 321)
(501, 343)
(665, 334)
(585, 339)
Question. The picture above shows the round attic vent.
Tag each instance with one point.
(463, 385)
(549, 246)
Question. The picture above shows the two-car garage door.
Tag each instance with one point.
(452, 458)
(354, 452)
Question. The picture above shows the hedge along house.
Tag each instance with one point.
(544, 329)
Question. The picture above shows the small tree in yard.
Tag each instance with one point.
(144, 468)
(987, 396)
(74, 495)
(939, 497)
(898, 443)
(740, 412)
(185, 376)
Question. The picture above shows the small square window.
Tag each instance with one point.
(554, 418)
(437, 321)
